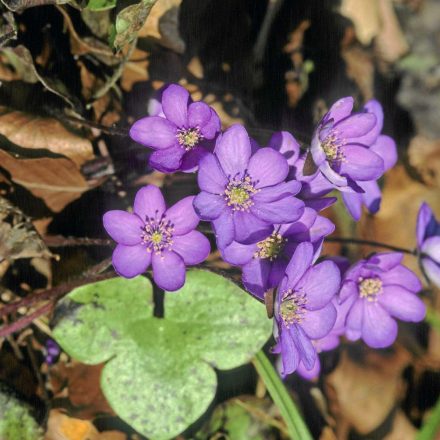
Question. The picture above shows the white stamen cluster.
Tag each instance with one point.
(157, 235)
(332, 146)
(188, 138)
(369, 288)
(292, 308)
(270, 247)
(238, 193)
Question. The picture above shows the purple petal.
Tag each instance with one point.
(402, 304)
(374, 108)
(168, 270)
(353, 203)
(193, 247)
(277, 272)
(286, 144)
(267, 167)
(211, 177)
(154, 131)
(309, 374)
(425, 223)
(285, 210)
(355, 319)
(323, 274)
(401, 276)
(385, 147)
(212, 127)
(299, 263)
(239, 254)
(149, 202)
(224, 228)
(317, 152)
(289, 353)
(233, 150)
(183, 216)
(372, 195)
(130, 261)
(361, 164)
(306, 350)
(348, 289)
(356, 125)
(432, 270)
(276, 192)
(192, 158)
(340, 109)
(379, 330)
(386, 260)
(249, 228)
(199, 114)
(256, 275)
(320, 204)
(301, 226)
(123, 227)
(168, 160)
(333, 177)
(321, 228)
(175, 100)
(431, 247)
(209, 206)
(317, 324)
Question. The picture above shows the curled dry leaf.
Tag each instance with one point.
(35, 132)
(18, 237)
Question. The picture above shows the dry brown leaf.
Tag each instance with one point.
(135, 70)
(56, 180)
(83, 388)
(360, 68)
(62, 427)
(30, 131)
(424, 156)
(364, 394)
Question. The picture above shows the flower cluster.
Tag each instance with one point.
(264, 206)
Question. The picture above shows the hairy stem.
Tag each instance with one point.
(370, 243)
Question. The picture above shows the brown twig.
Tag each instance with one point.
(60, 241)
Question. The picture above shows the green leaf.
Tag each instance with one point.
(16, 422)
(159, 376)
(128, 22)
(101, 5)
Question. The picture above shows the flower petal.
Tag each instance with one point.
(348, 289)
(402, 304)
(168, 270)
(373, 107)
(401, 276)
(317, 324)
(426, 223)
(386, 260)
(154, 132)
(431, 247)
(192, 158)
(199, 114)
(209, 206)
(286, 144)
(320, 284)
(183, 216)
(286, 210)
(277, 271)
(309, 374)
(149, 202)
(256, 275)
(306, 350)
(130, 261)
(210, 176)
(233, 150)
(224, 228)
(361, 163)
(355, 319)
(353, 203)
(372, 195)
(356, 125)
(289, 353)
(175, 100)
(239, 254)
(276, 192)
(212, 127)
(340, 109)
(299, 263)
(268, 167)
(123, 227)
(333, 177)
(379, 330)
(193, 247)
(249, 228)
(432, 270)
(385, 147)
(168, 160)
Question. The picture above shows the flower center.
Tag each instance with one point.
(270, 247)
(332, 147)
(369, 288)
(157, 235)
(292, 308)
(188, 138)
(238, 193)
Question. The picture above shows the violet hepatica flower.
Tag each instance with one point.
(264, 263)
(245, 194)
(152, 234)
(340, 147)
(428, 243)
(303, 308)
(383, 146)
(379, 289)
(180, 138)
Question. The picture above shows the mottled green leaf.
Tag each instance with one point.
(101, 5)
(159, 376)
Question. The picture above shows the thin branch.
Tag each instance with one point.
(370, 243)
(54, 241)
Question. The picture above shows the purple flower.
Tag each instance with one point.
(264, 263)
(180, 138)
(379, 289)
(52, 351)
(244, 194)
(303, 308)
(153, 234)
(383, 146)
(340, 147)
(428, 243)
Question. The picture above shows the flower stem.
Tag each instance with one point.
(370, 243)
(295, 424)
